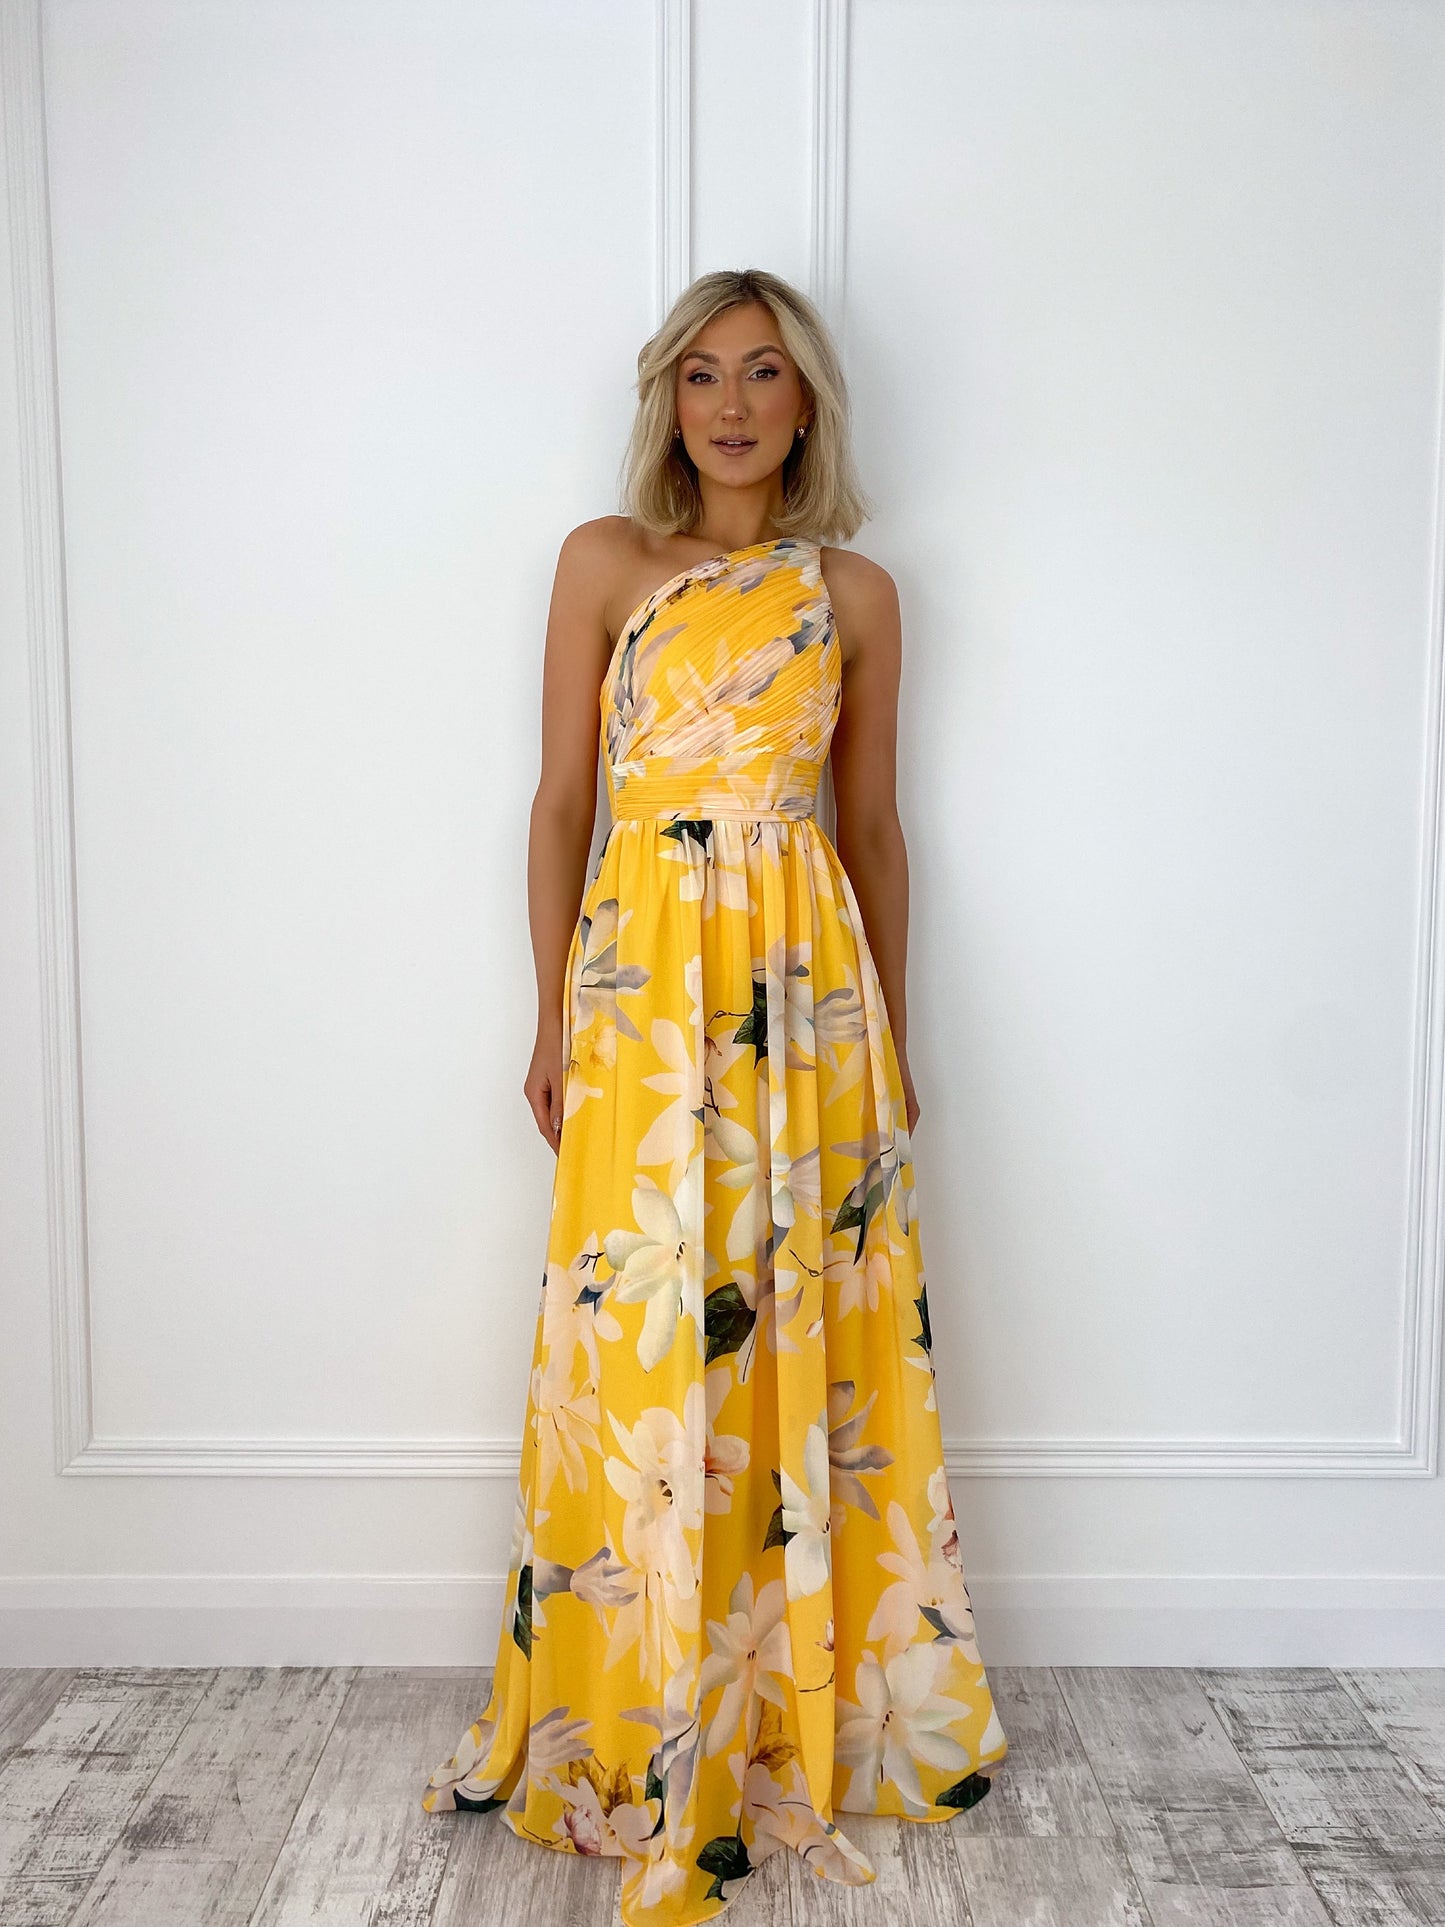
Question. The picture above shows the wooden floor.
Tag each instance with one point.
(1130, 1798)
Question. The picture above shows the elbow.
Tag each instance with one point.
(871, 821)
(568, 806)
(872, 837)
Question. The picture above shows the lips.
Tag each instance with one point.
(733, 441)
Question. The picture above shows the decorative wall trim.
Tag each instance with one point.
(827, 226)
(672, 152)
(477, 1458)
(828, 174)
(79, 1452)
(1424, 1307)
(305, 1458)
(42, 509)
(1347, 1619)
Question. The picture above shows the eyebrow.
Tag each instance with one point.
(701, 354)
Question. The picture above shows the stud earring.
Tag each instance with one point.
(801, 433)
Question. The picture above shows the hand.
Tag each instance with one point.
(911, 1105)
(544, 1085)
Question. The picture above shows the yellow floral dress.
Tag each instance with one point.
(735, 1605)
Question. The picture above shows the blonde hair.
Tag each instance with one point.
(824, 498)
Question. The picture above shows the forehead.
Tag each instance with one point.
(746, 330)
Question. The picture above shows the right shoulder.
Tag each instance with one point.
(599, 567)
(596, 552)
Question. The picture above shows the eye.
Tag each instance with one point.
(763, 368)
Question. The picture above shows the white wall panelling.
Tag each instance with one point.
(1143, 316)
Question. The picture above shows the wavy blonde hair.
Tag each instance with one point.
(824, 498)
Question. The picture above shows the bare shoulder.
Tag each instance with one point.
(593, 550)
(864, 598)
(589, 562)
(614, 565)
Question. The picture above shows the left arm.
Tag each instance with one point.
(864, 756)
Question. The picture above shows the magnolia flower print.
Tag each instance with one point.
(807, 1554)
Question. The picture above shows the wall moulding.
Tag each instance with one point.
(79, 1451)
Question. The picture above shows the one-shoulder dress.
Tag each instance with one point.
(736, 1606)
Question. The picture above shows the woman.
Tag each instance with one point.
(735, 1601)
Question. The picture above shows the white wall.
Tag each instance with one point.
(325, 338)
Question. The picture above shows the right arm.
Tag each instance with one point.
(564, 809)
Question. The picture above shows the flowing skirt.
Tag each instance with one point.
(736, 1604)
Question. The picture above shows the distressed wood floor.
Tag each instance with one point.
(1131, 1798)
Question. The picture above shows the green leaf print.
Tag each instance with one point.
(936, 1621)
(522, 1623)
(656, 1789)
(725, 1858)
(966, 1792)
(777, 1533)
(754, 1027)
(862, 1205)
(727, 1319)
(695, 829)
(925, 1331)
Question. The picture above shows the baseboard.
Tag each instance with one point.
(230, 1619)
(1044, 1619)
(392, 1619)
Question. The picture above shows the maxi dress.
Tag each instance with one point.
(735, 1607)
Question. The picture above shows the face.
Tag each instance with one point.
(740, 399)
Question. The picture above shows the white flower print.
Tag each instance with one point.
(749, 1656)
(898, 1722)
(808, 1554)
(660, 1265)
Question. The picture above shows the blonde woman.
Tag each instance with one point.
(735, 1607)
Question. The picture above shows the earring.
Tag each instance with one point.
(677, 434)
(801, 433)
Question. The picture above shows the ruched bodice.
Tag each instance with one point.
(723, 689)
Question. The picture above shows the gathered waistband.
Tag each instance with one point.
(696, 813)
(783, 788)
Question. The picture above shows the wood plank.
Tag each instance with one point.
(918, 1876)
(362, 1851)
(1371, 1842)
(1406, 1707)
(1201, 1839)
(68, 1792)
(496, 1879)
(1364, 1884)
(28, 1695)
(201, 1844)
(1077, 1882)
(1042, 1845)
(42, 1902)
(1312, 1750)
(1046, 1786)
